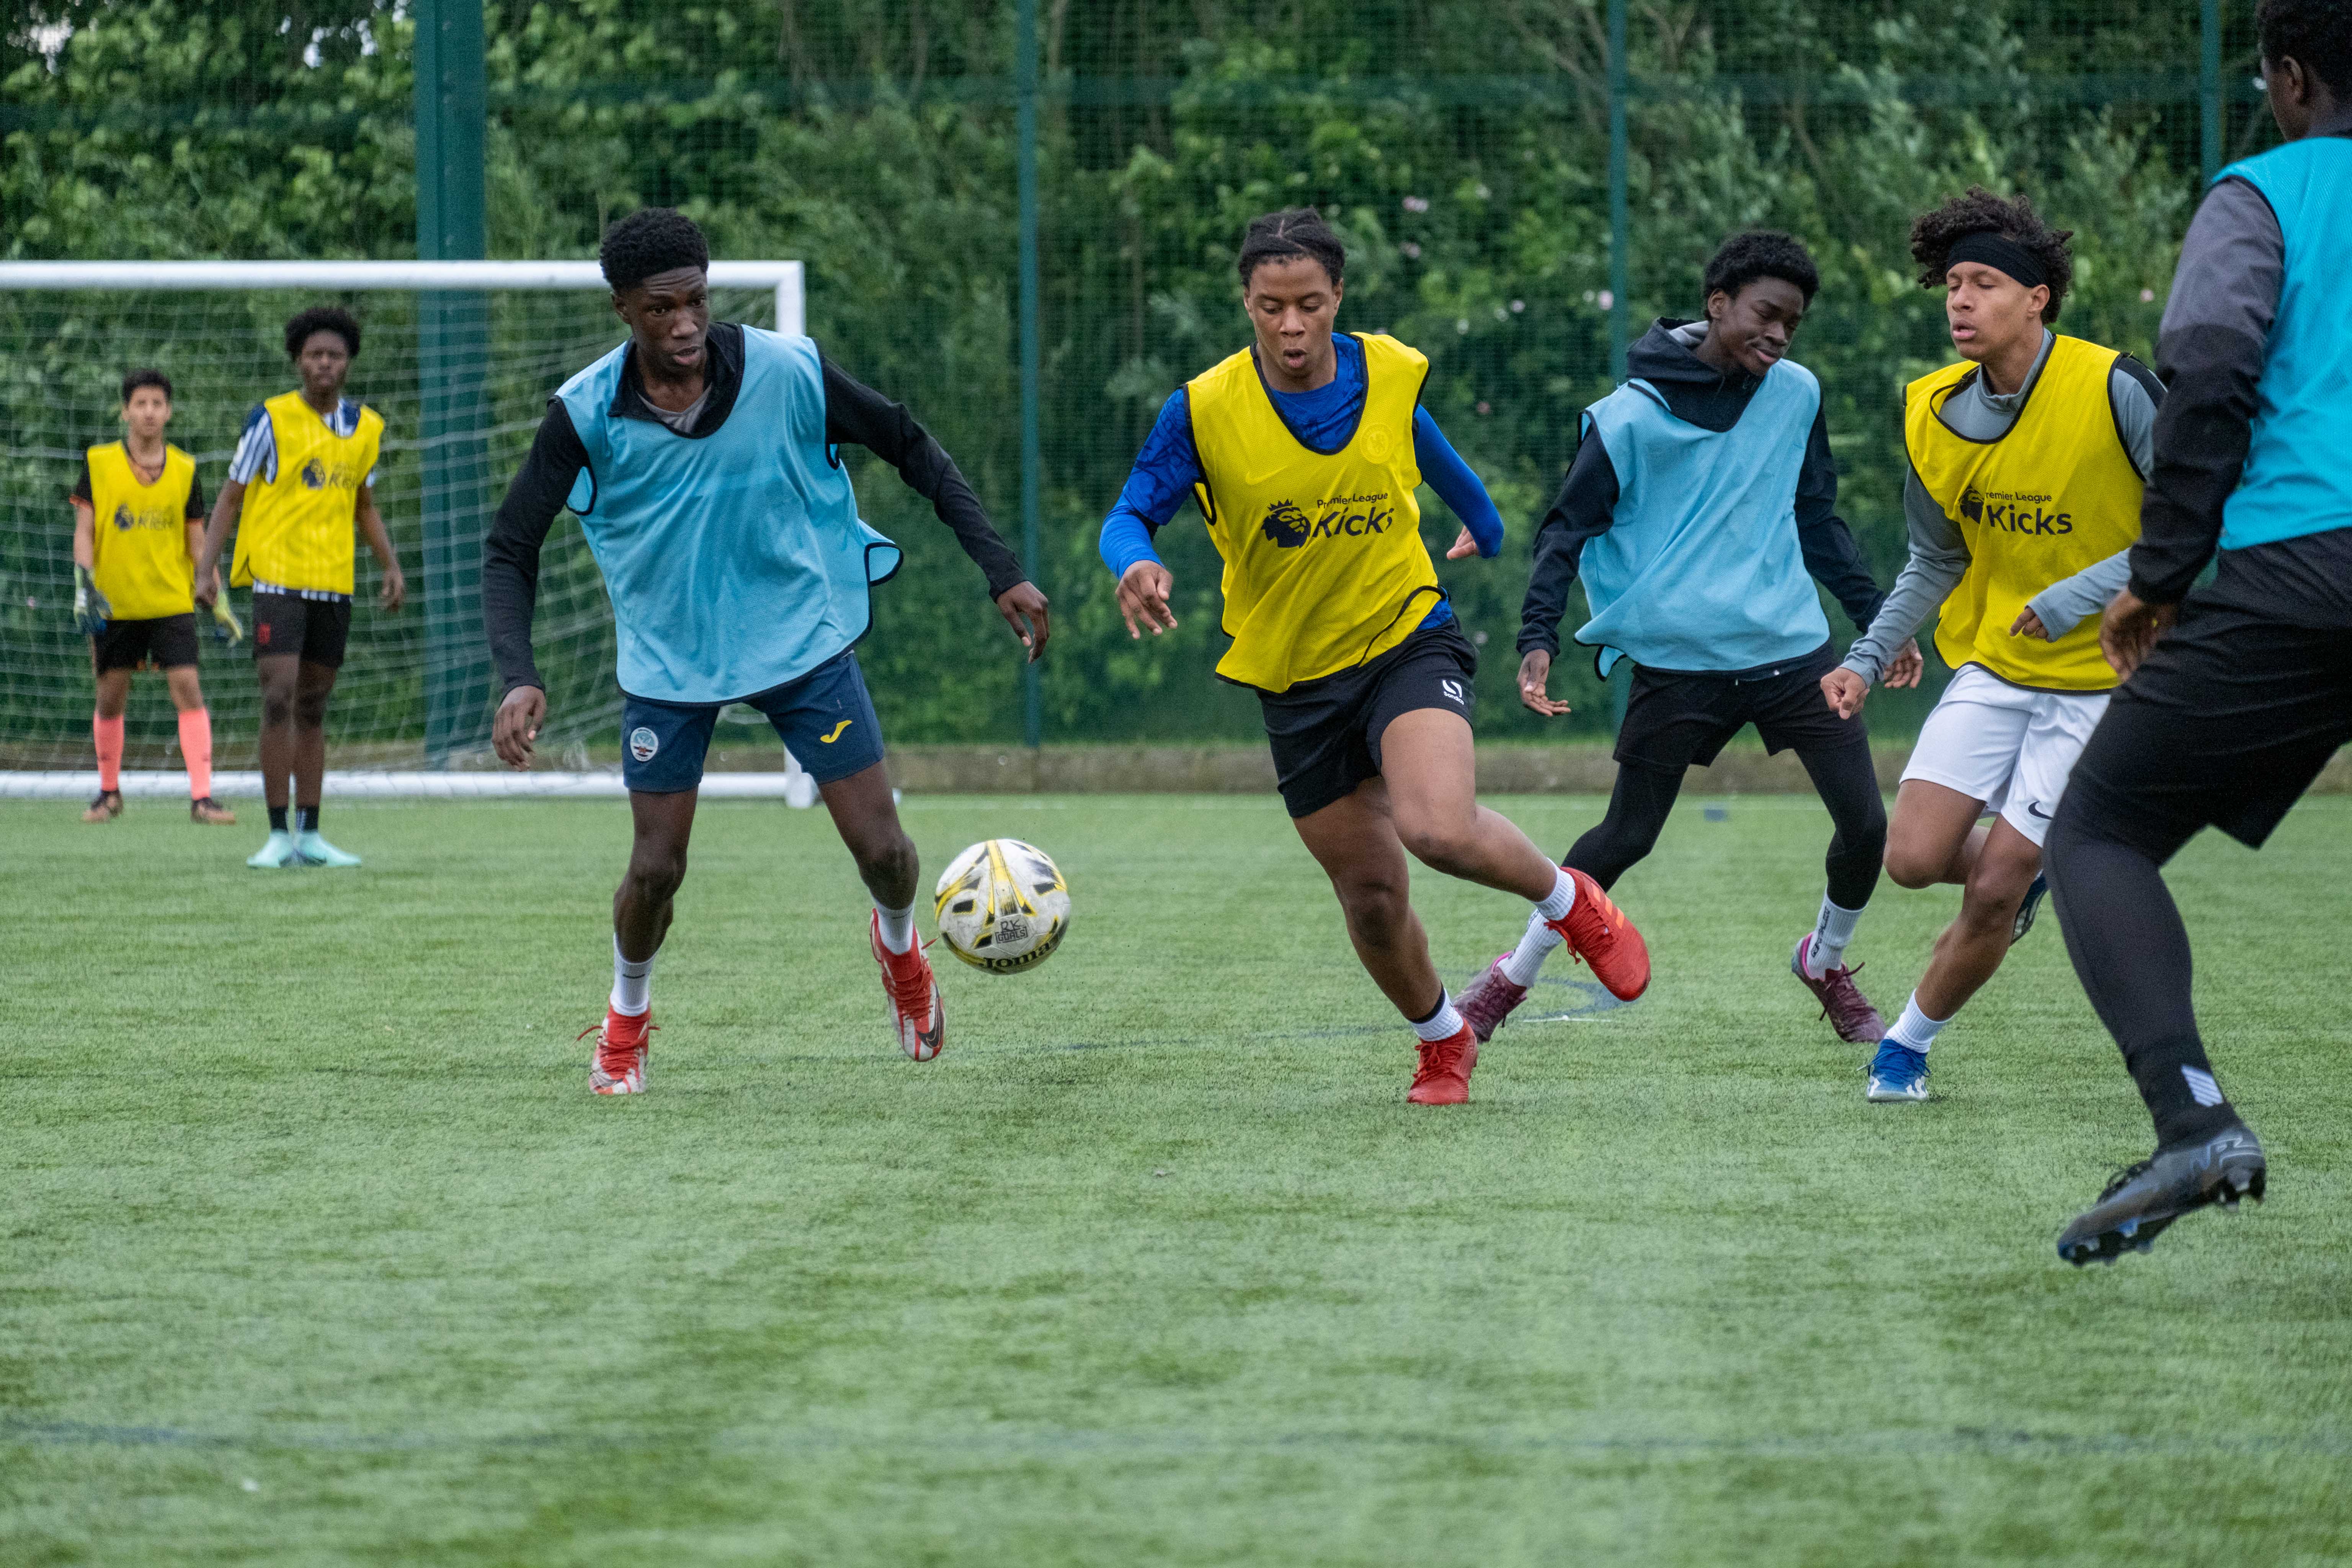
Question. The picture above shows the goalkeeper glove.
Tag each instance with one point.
(226, 627)
(92, 612)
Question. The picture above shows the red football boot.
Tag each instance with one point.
(1597, 932)
(917, 1017)
(1444, 1077)
(623, 1044)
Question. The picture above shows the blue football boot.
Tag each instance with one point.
(1897, 1073)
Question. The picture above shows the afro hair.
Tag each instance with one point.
(323, 319)
(1933, 234)
(1760, 253)
(648, 242)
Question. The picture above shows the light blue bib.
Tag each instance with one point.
(1700, 569)
(2296, 481)
(735, 562)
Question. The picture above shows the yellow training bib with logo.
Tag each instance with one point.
(2057, 493)
(1324, 563)
(142, 565)
(296, 530)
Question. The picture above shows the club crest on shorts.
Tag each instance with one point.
(644, 743)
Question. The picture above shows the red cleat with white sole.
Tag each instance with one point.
(917, 1017)
(1445, 1067)
(622, 1044)
(1597, 932)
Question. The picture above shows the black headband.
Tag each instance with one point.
(1992, 251)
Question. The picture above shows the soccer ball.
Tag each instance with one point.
(1002, 906)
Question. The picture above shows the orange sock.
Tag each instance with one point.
(196, 746)
(109, 735)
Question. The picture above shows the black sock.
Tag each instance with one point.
(306, 819)
(277, 819)
(2124, 933)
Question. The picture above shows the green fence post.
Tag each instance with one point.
(1033, 457)
(2208, 86)
(1621, 242)
(453, 331)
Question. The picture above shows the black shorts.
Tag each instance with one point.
(1326, 733)
(1675, 721)
(167, 641)
(315, 629)
(2225, 725)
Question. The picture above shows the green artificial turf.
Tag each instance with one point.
(318, 1249)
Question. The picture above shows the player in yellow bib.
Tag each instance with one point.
(2027, 458)
(139, 518)
(1304, 452)
(300, 484)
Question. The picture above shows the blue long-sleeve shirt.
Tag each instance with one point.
(1169, 466)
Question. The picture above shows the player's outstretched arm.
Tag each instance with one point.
(1585, 508)
(1465, 494)
(855, 415)
(539, 490)
(1166, 471)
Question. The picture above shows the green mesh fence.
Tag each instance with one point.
(1464, 147)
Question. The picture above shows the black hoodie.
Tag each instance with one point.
(1698, 393)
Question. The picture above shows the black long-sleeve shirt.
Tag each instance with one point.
(854, 415)
(1587, 504)
(2210, 353)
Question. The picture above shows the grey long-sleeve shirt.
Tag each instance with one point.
(1940, 552)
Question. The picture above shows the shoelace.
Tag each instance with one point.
(598, 1030)
(1849, 973)
(2123, 1178)
(910, 991)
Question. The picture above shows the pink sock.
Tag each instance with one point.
(109, 735)
(196, 746)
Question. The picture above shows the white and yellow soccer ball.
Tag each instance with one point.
(1002, 906)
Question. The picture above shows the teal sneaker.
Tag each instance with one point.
(276, 850)
(314, 850)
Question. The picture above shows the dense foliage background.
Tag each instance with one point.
(1460, 144)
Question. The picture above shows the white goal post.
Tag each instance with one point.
(467, 406)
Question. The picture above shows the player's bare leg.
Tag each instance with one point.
(197, 745)
(1936, 837)
(866, 816)
(313, 685)
(1355, 840)
(661, 825)
(105, 726)
(280, 677)
(1430, 764)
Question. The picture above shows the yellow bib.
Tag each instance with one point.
(1324, 563)
(296, 530)
(2055, 495)
(142, 538)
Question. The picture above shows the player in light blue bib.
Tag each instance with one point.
(700, 459)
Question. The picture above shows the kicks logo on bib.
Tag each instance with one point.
(1289, 525)
(644, 743)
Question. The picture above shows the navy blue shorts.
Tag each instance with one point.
(826, 717)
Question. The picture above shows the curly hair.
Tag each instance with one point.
(323, 319)
(1933, 234)
(138, 378)
(1760, 253)
(1290, 233)
(2316, 32)
(648, 242)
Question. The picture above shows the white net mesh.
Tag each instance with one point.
(60, 393)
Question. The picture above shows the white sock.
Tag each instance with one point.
(1914, 1029)
(1442, 1025)
(1535, 943)
(632, 983)
(898, 927)
(1562, 898)
(1831, 934)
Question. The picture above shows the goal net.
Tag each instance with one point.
(460, 358)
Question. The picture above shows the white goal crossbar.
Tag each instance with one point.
(783, 276)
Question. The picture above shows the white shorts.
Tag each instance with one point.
(2005, 746)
